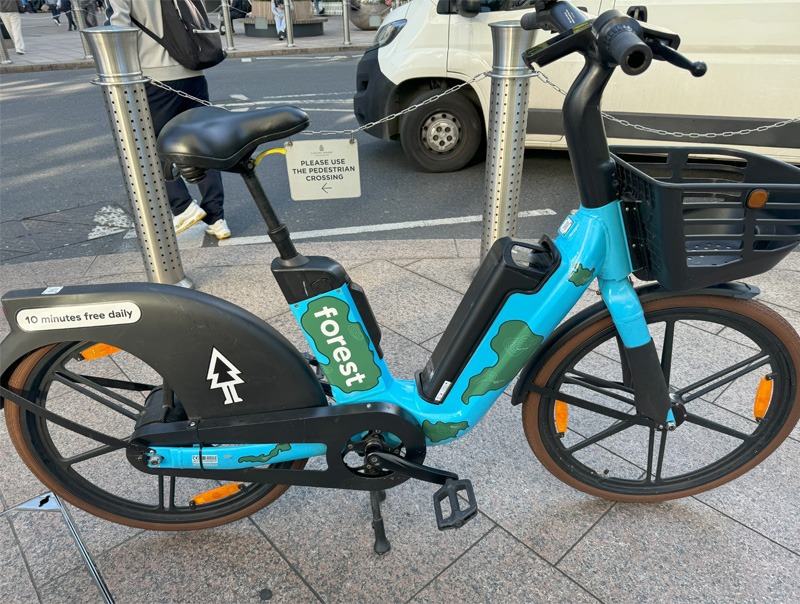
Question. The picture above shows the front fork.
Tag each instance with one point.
(640, 363)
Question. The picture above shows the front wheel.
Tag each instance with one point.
(731, 366)
(442, 136)
(108, 390)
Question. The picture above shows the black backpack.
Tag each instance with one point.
(189, 36)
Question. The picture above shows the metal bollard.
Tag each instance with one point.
(4, 58)
(77, 12)
(289, 25)
(346, 21)
(228, 22)
(115, 50)
(508, 118)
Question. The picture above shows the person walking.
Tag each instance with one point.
(9, 14)
(66, 8)
(157, 64)
(53, 6)
(90, 11)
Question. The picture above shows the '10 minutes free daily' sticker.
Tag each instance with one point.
(79, 315)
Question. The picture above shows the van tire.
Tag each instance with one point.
(452, 122)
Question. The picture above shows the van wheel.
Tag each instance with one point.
(443, 136)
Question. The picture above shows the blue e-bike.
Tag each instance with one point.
(164, 408)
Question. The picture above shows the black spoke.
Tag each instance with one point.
(651, 440)
(584, 404)
(602, 435)
(166, 501)
(91, 454)
(599, 384)
(716, 427)
(75, 382)
(662, 447)
(733, 373)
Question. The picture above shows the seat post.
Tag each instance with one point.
(277, 231)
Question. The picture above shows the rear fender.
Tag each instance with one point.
(194, 340)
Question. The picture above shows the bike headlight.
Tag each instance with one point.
(388, 32)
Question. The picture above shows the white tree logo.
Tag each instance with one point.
(220, 365)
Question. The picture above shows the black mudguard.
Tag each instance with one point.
(176, 332)
(599, 311)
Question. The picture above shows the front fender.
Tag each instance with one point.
(598, 311)
(180, 333)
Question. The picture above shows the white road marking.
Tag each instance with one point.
(239, 97)
(372, 228)
(108, 221)
(247, 60)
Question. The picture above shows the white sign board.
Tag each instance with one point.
(323, 169)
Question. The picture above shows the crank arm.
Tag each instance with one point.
(395, 463)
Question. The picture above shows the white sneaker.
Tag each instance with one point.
(219, 229)
(191, 215)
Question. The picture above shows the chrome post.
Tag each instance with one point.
(508, 117)
(346, 21)
(228, 22)
(289, 25)
(77, 12)
(116, 57)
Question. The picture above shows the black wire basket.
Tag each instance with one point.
(702, 216)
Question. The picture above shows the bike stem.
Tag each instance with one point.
(592, 165)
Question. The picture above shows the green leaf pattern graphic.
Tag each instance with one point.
(266, 457)
(514, 344)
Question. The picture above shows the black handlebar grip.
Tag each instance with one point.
(530, 21)
(628, 49)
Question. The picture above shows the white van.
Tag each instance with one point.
(425, 47)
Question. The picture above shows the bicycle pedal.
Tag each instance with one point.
(460, 512)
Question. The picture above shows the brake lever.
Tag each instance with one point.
(670, 55)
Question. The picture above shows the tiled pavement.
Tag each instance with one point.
(535, 540)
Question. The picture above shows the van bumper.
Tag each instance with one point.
(375, 96)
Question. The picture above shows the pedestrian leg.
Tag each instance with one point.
(14, 27)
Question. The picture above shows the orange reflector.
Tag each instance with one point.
(562, 417)
(98, 350)
(225, 490)
(763, 398)
(757, 199)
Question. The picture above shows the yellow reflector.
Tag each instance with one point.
(98, 350)
(763, 398)
(225, 490)
(562, 417)
(757, 199)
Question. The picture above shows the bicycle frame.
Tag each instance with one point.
(592, 244)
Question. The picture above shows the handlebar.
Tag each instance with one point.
(619, 39)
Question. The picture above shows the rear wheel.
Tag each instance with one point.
(107, 392)
(442, 136)
(731, 366)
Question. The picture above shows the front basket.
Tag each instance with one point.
(701, 216)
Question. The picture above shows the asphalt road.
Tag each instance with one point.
(62, 193)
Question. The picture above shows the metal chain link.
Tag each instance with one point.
(694, 135)
(537, 74)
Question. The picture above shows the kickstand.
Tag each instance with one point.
(382, 544)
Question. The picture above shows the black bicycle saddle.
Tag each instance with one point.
(213, 138)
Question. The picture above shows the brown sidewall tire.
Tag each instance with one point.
(14, 419)
(747, 308)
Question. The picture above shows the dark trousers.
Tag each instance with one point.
(164, 105)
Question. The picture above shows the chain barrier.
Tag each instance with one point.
(540, 75)
(693, 135)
